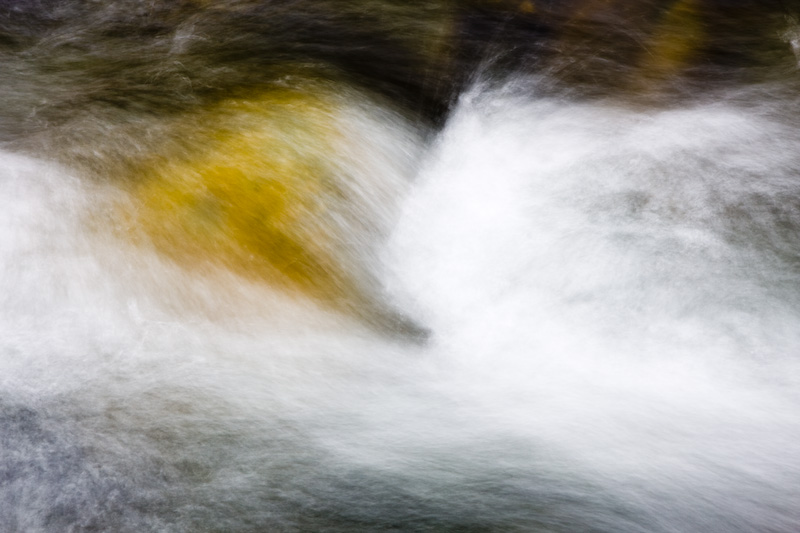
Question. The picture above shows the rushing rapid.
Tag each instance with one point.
(554, 304)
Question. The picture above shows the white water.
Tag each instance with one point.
(614, 296)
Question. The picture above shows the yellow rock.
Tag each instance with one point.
(275, 187)
(674, 40)
(527, 7)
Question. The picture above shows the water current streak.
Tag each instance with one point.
(392, 265)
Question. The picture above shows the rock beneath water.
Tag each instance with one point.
(296, 189)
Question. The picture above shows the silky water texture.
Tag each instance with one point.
(609, 293)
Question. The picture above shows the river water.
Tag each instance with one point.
(609, 291)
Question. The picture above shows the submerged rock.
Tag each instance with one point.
(296, 189)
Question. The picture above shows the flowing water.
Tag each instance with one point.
(588, 310)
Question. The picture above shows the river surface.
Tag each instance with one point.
(603, 293)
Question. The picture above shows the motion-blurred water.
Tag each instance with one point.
(611, 287)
